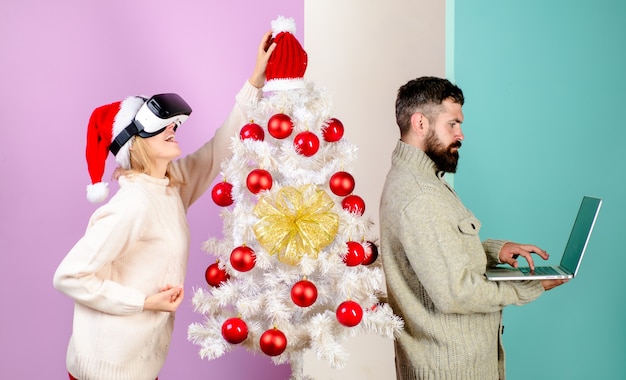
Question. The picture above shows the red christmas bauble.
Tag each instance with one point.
(341, 183)
(306, 143)
(355, 254)
(252, 131)
(333, 130)
(234, 330)
(303, 293)
(273, 342)
(371, 253)
(280, 126)
(349, 313)
(222, 194)
(242, 258)
(214, 275)
(354, 204)
(259, 180)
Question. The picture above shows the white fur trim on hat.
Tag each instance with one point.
(97, 192)
(128, 109)
(284, 84)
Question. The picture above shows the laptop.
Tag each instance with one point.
(572, 257)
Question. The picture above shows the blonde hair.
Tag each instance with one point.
(140, 162)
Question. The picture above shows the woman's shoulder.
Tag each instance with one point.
(130, 197)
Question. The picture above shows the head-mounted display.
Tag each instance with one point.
(153, 117)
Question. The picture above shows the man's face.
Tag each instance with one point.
(443, 139)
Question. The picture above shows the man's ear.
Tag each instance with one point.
(419, 124)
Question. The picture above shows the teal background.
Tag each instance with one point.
(544, 125)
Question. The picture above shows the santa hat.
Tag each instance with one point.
(105, 124)
(286, 67)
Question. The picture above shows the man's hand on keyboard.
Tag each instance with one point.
(510, 252)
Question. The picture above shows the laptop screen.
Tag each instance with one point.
(580, 233)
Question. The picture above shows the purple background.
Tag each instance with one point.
(58, 61)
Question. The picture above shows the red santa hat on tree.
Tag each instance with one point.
(112, 128)
(287, 65)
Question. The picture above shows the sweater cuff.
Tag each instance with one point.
(133, 302)
(249, 95)
(527, 291)
(492, 249)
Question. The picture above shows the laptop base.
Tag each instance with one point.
(514, 274)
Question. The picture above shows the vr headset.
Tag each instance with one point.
(152, 118)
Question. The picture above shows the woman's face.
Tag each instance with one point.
(163, 147)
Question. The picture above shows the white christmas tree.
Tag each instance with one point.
(297, 265)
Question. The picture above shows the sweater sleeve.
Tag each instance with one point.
(200, 168)
(450, 264)
(110, 232)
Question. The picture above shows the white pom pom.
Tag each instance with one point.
(97, 192)
(282, 24)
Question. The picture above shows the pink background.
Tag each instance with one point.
(58, 61)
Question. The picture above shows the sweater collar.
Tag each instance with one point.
(157, 184)
(415, 157)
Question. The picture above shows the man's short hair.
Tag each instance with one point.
(425, 95)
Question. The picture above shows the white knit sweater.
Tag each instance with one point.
(135, 244)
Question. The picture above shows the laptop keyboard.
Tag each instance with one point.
(540, 271)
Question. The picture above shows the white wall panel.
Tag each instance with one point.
(362, 51)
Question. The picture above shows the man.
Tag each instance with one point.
(433, 259)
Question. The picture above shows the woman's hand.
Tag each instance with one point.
(167, 299)
(266, 47)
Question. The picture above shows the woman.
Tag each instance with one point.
(126, 273)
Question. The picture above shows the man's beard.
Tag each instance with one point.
(444, 157)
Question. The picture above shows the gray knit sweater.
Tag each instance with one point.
(434, 265)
